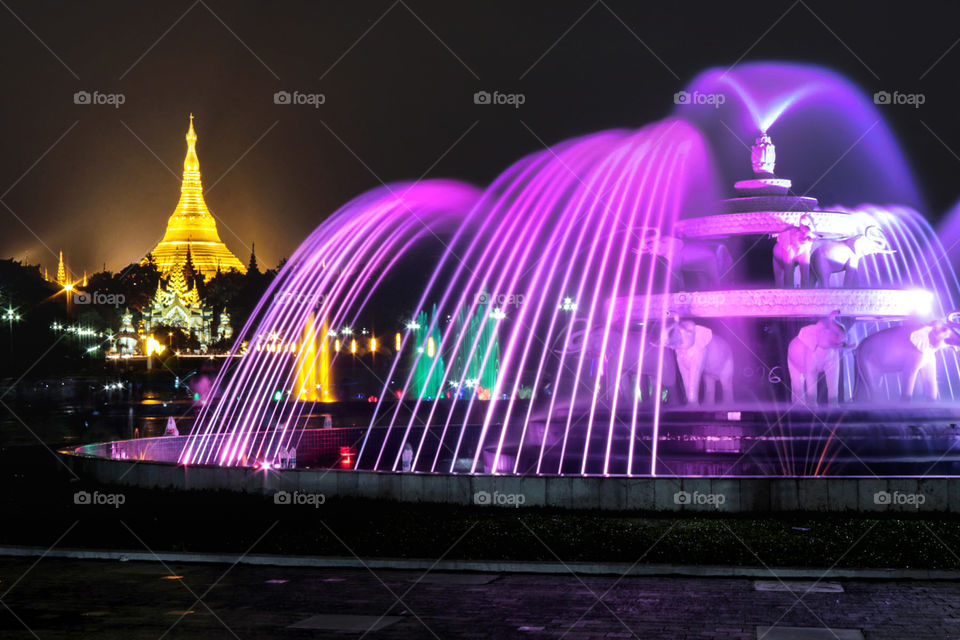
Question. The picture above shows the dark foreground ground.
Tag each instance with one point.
(38, 508)
(57, 598)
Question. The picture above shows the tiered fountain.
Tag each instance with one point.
(585, 318)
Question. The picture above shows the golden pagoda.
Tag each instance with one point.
(61, 272)
(192, 226)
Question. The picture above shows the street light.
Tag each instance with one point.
(10, 315)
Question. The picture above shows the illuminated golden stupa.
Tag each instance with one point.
(193, 226)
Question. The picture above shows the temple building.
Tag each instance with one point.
(177, 304)
(193, 226)
(126, 340)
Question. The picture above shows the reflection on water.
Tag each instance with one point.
(67, 427)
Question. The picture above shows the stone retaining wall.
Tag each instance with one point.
(732, 495)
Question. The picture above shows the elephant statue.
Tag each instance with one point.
(908, 350)
(701, 355)
(816, 350)
(697, 265)
(831, 256)
(644, 373)
(792, 252)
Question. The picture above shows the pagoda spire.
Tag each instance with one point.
(192, 222)
(61, 272)
(253, 267)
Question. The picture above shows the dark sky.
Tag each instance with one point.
(91, 179)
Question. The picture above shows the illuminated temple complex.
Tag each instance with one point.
(193, 226)
(177, 303)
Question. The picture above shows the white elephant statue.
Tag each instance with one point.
(815, 350)
(843, 254)
(910, 352)
(792, 252)
(701, 355)
(696, 264)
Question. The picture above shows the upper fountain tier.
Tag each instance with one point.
(764, 206)
(765, 192)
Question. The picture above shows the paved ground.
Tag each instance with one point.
(129, 600)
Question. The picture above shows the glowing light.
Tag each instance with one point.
(277, 396)
(397, 340)
(336, 346)
(192, 227)
(373, 344)
(353, 346)
(151, 346)
(568, 305)
(498, 314)
(923, 302)
(413, 325)
(431, 347)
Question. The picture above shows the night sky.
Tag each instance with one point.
(398, 78)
